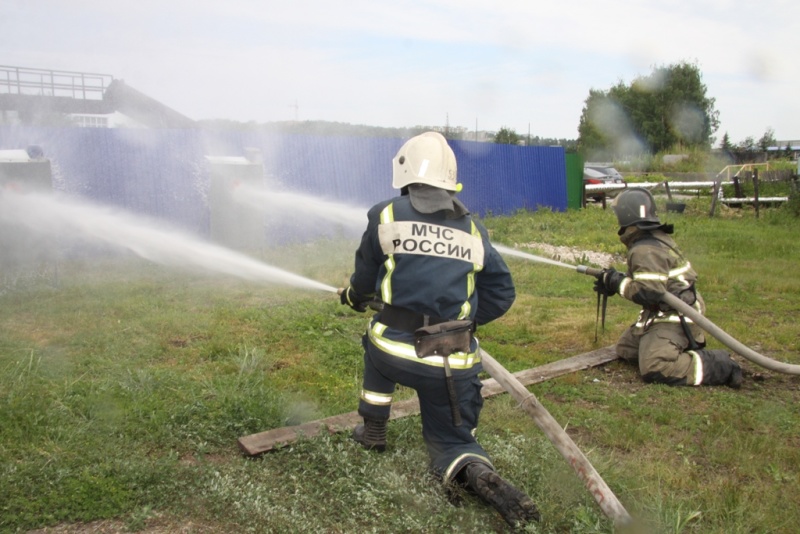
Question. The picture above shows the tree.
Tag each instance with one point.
(787, 151)
(592, 142)
(567, 144)
(725, 145)
(748, 145)
(745, 151)
(665, 109)
(767, 140)
(507, 136)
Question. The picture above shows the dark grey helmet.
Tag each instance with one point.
(635, 206)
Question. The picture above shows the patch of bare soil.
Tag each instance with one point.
(757, 378)
(625, 377)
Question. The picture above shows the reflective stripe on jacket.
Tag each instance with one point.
(403, 347)
(430, 265)
(655, 266)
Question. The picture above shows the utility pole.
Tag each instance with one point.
(296, 108)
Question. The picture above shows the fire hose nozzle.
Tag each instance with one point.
(591, 271)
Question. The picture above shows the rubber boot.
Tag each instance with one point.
(514, 506)
(719, 369)
(372, 434)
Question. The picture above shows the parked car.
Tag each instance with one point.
(600, 175)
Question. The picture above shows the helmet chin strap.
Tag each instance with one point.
(626, 230)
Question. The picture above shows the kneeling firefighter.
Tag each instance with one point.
(669, 348)
(437, 275)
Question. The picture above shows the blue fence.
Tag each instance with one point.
(164, 173)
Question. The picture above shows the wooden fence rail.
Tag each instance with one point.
(602, 192)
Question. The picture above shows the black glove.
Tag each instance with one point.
(608, 282)
(349, 297)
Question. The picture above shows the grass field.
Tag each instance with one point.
(124, 387)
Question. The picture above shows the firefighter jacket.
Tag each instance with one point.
(431, 265)
(655, 266)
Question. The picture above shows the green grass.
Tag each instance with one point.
(123, 391)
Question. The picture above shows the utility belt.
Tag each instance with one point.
(443, 339)
(406, 320)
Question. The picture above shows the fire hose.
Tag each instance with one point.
(603, 496)
(719, 334)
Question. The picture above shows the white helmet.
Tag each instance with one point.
(425, 159)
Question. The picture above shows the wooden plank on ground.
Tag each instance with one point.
(268, 440)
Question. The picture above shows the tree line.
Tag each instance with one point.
(665, 111)
(750, 150)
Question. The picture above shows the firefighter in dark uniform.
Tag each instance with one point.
(437, 275)
(668, 347)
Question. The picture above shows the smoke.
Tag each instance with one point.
(609, 117)
(687, 122)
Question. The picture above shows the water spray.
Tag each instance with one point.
(280, 204)
(677, 304)
(72, 220)
(514, 252)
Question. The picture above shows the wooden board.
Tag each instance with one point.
(262, 442)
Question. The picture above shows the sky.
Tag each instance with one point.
(518, 64)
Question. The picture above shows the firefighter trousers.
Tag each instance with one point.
(661, 352)
(449, 447)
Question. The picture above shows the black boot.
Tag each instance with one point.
(719, 369)
(372, 434)
(515, 507)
